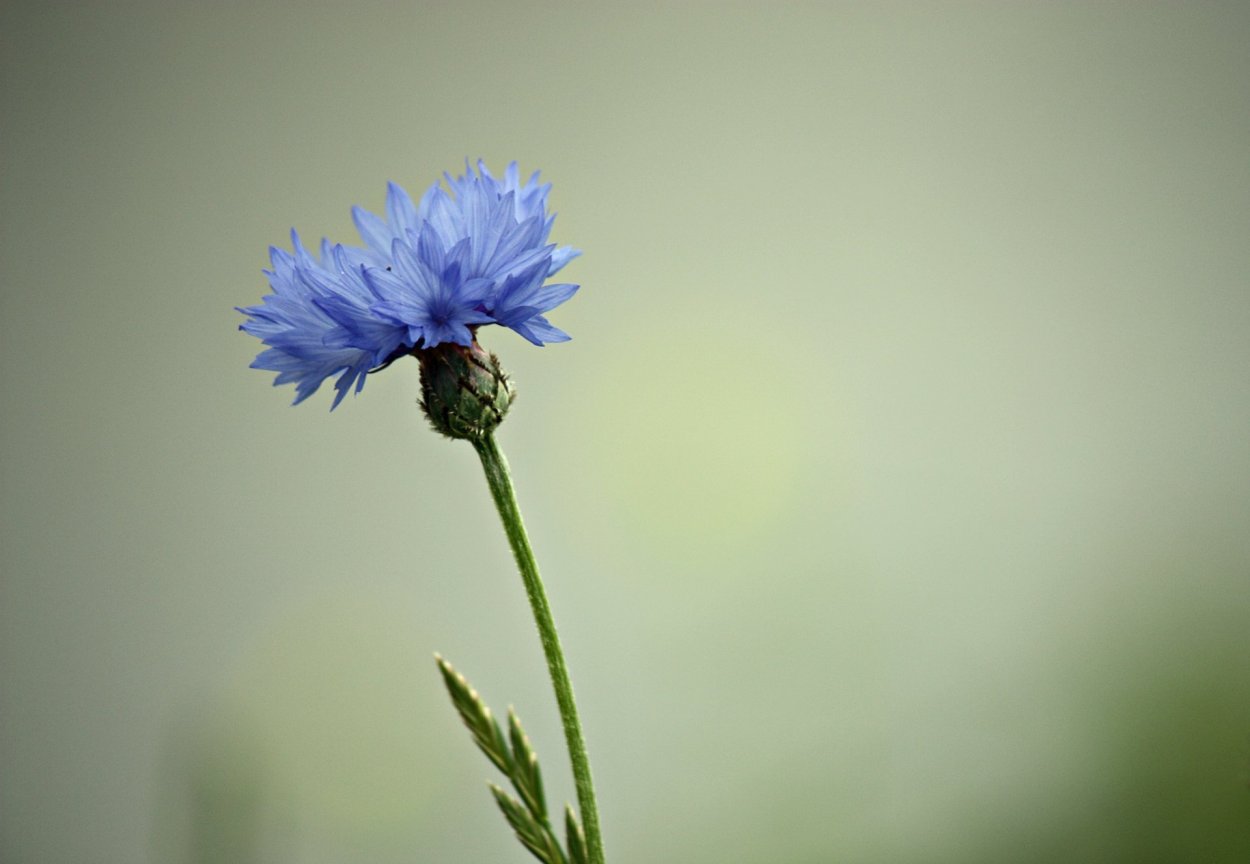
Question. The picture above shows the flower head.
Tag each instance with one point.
(431, 273)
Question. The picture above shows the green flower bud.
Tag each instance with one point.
(465, 394)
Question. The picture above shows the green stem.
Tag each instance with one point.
(501, 490)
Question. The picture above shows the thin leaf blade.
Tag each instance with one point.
(476, 716)
(574, 837)
(526, 775)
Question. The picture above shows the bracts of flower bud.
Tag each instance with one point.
(464, 391)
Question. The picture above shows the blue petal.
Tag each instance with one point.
(400, 213)
(540, 331)
(372, 230)
(549, 297)
(562, 256)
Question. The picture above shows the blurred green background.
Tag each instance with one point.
(893, 495)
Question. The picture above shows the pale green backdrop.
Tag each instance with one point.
(893, 495)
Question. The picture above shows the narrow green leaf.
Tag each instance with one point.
(476, 716)
(520, 763)
(574, 837)
(535, 837)
(526, 775)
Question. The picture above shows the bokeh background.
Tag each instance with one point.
(893, 495)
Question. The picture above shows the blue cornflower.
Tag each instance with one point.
(429, 274)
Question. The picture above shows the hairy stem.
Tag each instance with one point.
(500, 481)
